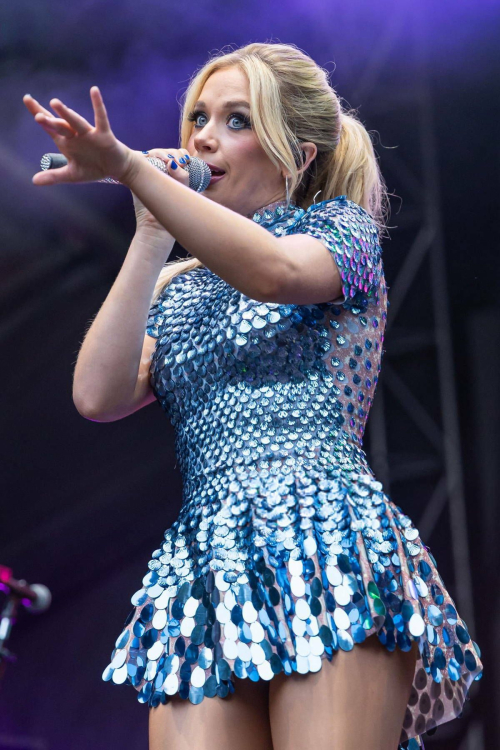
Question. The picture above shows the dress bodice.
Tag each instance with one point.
(265, 384)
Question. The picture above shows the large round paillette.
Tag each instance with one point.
(286, 548)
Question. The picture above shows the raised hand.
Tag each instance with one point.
(93, 152)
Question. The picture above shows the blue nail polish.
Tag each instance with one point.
(188, 158)
(174, 165)
(182, 161)
(171, 156)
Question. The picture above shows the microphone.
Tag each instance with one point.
(199, 171)
(38, 595)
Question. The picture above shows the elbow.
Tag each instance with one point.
(88, 410)
(267, 294)
(88, 413)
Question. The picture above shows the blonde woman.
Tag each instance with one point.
(292, 604)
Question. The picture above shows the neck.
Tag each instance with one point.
(271, 207)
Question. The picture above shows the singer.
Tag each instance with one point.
(292, 602)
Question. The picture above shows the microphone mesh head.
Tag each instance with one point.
(199, 174)
(53, 161)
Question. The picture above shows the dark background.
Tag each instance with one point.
(84, 503)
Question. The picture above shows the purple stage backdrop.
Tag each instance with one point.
(85, 503)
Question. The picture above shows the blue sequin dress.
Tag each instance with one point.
(286, 548)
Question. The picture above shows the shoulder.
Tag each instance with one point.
(342, 214)
(351, 235)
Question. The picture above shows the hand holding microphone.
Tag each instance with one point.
(164, 159)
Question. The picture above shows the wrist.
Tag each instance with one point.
(131, 168)
(148, 229)
(154, 237)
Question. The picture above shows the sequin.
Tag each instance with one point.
(334, 575)
(342, 594)
(345, 640)
(118, 659)
(435, 615)
(341, 618)
(122, 639)
(286, 549)
(120, 675)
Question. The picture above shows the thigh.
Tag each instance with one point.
(356, 700)
(241, 720)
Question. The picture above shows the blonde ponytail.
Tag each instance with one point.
(352, 169)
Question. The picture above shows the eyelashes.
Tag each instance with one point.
(193, 117)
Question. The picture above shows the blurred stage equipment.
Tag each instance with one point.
(34, 598)
(430, 414)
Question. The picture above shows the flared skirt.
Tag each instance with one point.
(281, 576)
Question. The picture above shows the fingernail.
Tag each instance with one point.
(171, 156)
(173, 165)
(188, 158)
(182, 160)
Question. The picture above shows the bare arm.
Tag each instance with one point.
(294, 269)
(247, 256)
(110, 378)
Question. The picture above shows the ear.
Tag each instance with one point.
(310, 151)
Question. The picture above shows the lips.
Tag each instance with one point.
(216, 178)
(216, 171)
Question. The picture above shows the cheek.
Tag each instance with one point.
(250, 150)
(251, 155)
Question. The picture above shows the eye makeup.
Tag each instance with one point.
(245, 119)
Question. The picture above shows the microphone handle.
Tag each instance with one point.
(199, 171)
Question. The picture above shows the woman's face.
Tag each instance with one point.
(223, 137)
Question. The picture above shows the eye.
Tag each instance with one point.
(242, 118)
(193, 117)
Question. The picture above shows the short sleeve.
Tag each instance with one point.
(157, 314)
(351, 235)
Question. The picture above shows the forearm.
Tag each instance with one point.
(229, 244)
(107, 367)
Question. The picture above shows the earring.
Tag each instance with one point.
(287, 192)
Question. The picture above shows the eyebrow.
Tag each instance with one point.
(227, 105)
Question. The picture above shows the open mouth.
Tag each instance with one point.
(217, 175)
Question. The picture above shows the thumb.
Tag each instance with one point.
(51, 176)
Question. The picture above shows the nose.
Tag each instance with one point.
(205, 140)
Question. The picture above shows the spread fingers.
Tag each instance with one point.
(54, 124)
(34, 107)
(76, 121)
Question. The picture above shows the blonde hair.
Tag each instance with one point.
(283, 79)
